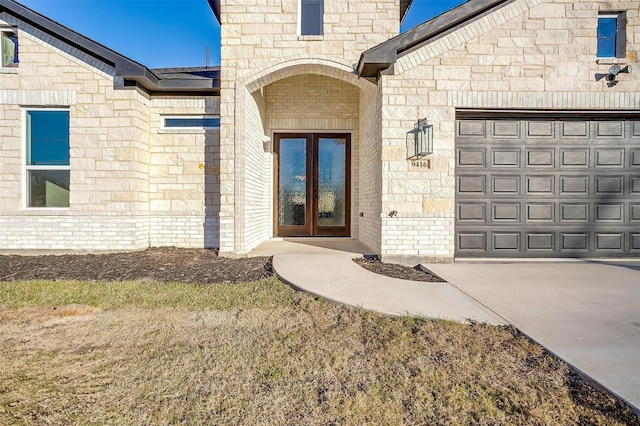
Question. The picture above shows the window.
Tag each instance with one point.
(9, 47)
(47, 158)
(311, 17)
(611, 35)
(206, 122)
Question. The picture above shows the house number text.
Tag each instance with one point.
(420, 165)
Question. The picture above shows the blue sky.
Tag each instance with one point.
(168, 33)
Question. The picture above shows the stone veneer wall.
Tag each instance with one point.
(259, 35)
(370, 168)
(116, 160)
(530, 54)
(184, 170)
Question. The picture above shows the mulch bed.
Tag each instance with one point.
(167, 264)
(164, 264)
(398, 271)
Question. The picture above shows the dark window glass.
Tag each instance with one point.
(9, 48)
(311, 17)
(48, 188)
(607, 37)
(196, 122)
(48, 138)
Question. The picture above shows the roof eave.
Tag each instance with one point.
(389, 51)
(215, 7)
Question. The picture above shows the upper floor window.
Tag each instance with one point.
(311, 17)
(9, 47)
(47, 157)
(611, 35)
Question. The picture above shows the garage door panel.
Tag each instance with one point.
(574, 212)
(540, 212)
(540, 185)
(472, 184)
(540, 242)
(472, 212)
(609, 241)
(610, 129)
(505, 185)
(471, 157)
(505, 241)
(574, 185)
(472, 241)
(540, 129)
(548, 188)
(574, 241)
(574, 157)
(471, 129)
(608, 212)
(609, 157)
(540, 157)
(609, 185)
(505, 129)
(505, 212)
(573, 129)
(505, 157)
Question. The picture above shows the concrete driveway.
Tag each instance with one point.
(587, 313)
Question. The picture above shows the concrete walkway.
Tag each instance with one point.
(326, 268)
(587, 313)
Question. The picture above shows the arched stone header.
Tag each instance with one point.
(317, 66)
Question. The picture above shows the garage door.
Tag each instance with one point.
(540, 187)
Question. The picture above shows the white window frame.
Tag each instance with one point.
(9, 30)
(26, 168)
(620, 33)
(183, 117)
(300, 34)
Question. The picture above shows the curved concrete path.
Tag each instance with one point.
(340, 279)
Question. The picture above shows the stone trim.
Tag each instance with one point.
(544, 100)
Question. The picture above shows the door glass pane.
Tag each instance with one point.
(331, 181)
(292, 181)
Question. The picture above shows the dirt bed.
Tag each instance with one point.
(398, 271)
(167, 264)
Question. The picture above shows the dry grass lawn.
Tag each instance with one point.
(259, 353)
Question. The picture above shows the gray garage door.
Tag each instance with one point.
(541, 187)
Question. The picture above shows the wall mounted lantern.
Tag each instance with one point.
(420, 140)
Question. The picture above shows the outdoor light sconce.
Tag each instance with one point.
(612, 76)
(420, 140)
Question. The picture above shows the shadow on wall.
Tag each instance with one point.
(212, 181)
(211, 191)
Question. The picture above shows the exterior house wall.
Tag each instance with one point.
(530, 54)
(370, 169)
(184, 168)
(259, 41)
(131, 184)
(108, 187)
